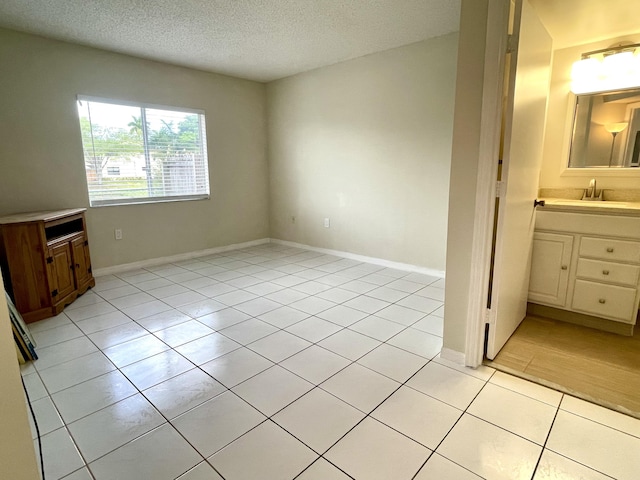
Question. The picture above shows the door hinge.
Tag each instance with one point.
(54, 293)
(499, 188)
(487, 316)
(89, 270)
(49, 259)
(512, 44)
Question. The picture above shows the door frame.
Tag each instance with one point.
(496, 46)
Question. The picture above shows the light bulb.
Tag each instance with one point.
(585, 75)
(617, 71)
(585, 68)
(618, 64)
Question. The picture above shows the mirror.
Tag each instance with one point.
(606, 130)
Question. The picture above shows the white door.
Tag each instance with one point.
(523, 136)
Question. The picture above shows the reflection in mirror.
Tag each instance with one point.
(606, 130)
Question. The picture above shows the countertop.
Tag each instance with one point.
(591, 207)
(40, 216)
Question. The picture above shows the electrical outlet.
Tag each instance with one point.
(118, 234)
(327, 223)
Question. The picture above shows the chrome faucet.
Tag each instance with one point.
(590, 193)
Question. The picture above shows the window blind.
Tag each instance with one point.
(139, 153)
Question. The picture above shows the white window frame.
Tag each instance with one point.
(150, 199)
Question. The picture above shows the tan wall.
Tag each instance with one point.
(464, 169)
(558, 125)
(41, 152)
(17, 455)
(366, 143)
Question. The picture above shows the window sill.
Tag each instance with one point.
(143, 201)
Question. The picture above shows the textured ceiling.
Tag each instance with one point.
(257, 39)
(574, 22)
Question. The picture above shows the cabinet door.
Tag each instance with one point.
(25, 272)
(80, 263)
(60, 265)
(550, 261)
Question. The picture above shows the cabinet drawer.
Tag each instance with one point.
(608, 272)
(608, 249)
(609, 301)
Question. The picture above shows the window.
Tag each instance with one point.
(135, 153)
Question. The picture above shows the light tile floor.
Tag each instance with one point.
(278, 363)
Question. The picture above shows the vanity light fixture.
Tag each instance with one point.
(614, 129)
(613, 68)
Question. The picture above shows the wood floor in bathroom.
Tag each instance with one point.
(597, 366)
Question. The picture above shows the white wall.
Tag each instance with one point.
(366, 143)
(17, 455)
(41, 156)
(558, 126)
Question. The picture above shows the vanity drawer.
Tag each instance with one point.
(608, 249)
(608, 272)
(609, 301)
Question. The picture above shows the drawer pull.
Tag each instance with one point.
(602, 300)
(605, 272)
(563, 267)
(610, 249)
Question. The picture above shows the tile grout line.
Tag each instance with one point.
(544, 445)
(198, 366)
(544, 448)
(434, 451)
(368, 415)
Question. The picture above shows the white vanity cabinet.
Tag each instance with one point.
(550, 262)
(586, 267)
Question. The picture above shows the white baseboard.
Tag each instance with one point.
(453, 356)
(151, 262)
(362, 258)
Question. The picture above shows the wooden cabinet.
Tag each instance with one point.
(45, 260)
(586, 267)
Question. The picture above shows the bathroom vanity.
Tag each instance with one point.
(585, 266)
